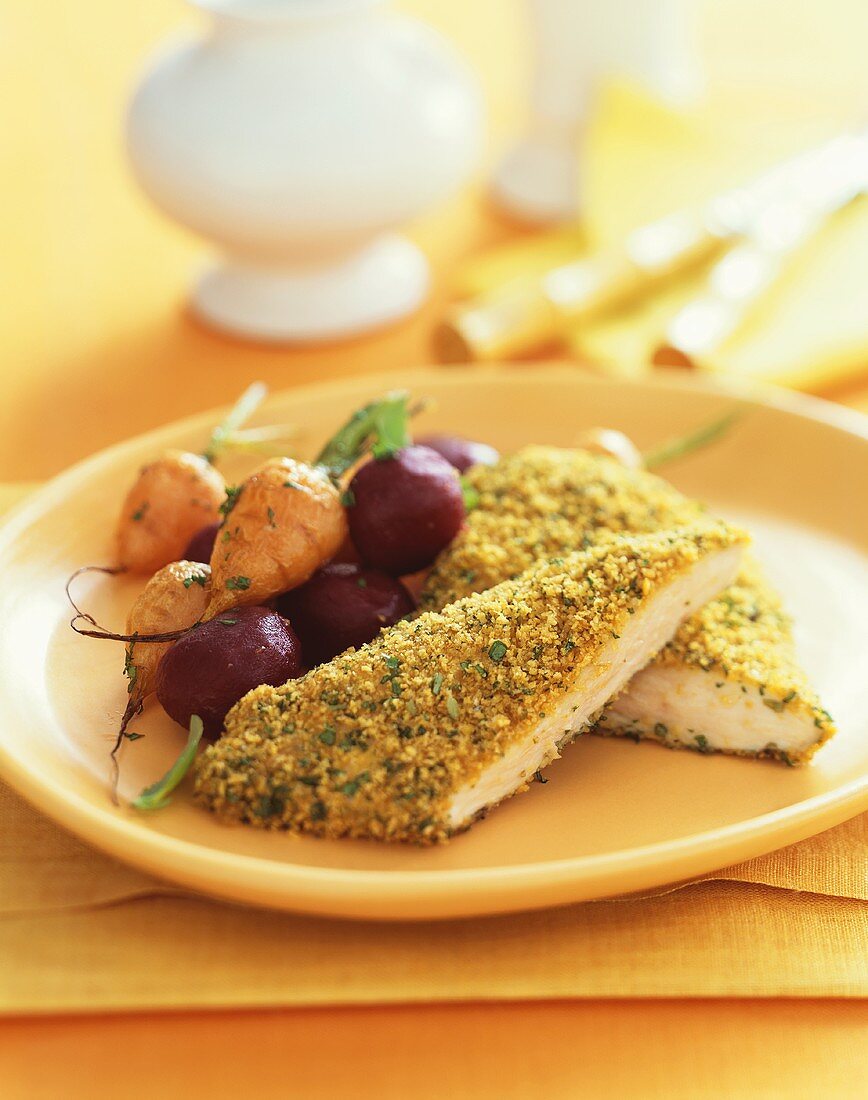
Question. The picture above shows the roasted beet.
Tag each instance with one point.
(343, 605)
(208, 670)
(461, 453)
(347, 554)
(201, 545)
(405, 509)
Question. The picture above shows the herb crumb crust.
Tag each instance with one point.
(543, 501)
(378, 741)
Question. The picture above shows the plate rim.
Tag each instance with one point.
(428, 894)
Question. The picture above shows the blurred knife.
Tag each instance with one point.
(738, 281)
(530, 312)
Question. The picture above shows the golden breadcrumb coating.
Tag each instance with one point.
(544, 501)
(378, 741)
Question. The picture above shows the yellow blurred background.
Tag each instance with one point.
(96, 337)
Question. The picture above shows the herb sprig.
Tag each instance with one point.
(684, 445)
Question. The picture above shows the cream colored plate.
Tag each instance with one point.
(614, 817)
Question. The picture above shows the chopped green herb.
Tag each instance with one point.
(227, 622)
(497, 652)
(354, 784)
(139, 513)
(328, 735)
(774, 704)
(130, 669)
(269, 805)
(195, 578)
(452, 708)
(233, 492)
(134, 736)
(348, 498)
(362, 583)
(436, 683)
(702, 742)
(271, 522)
(290, 484)
(661, 730)
(239, 584)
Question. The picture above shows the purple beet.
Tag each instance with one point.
(208, 670)
(461, 453)
(405, 509)
(343, 605)
(201, 545)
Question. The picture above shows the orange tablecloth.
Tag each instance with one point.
(599, 1050)
(96, 346)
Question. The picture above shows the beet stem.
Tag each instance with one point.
(354, 439)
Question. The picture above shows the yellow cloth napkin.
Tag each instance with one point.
(81, 932)
(644, 161)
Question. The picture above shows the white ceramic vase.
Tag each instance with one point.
(296, 135)
(578, 43)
